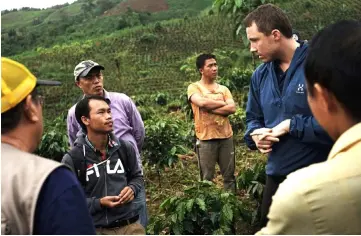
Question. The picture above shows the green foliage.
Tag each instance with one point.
(237, 10)
(82, 20)
(238, 120)
(174, 105)
(54, 142)
(146, 112)
(161, 98)
(202, 209)
(252, 179)
(166, 138)
(148, 38)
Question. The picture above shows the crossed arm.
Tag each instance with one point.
(223, 108)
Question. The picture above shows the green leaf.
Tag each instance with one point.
(174, 218)
(165, 204)
(172, 200)
(214, 217)
(225, 195)
(190, 205)
(178, 229)
(173, 150)
(238, 3)
(227, 213)
(201, 204)
(181, 210)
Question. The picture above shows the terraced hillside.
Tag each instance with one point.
(146, 59)
(84, 19)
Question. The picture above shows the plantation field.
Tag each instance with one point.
(150, 56)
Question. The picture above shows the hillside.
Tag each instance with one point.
(30, 28)
(139, 6)
(147, 59)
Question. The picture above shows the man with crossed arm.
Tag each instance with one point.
(211, 104)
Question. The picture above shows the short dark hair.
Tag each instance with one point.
(82, 108)
(201, 59)
(267, 18)
(11, 118)
(334, 62)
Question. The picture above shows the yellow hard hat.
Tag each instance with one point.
(17, 82)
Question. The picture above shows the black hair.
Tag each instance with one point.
(11, 118)
(82, 108)
(334, 62)
(201, 59)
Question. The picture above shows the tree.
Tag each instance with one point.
(237, 10)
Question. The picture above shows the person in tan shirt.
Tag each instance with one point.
(325, 198)
(211, 105)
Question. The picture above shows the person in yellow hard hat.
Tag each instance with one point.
(38, 196)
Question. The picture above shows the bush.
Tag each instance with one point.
(166, 138)
(174, 105)
(202, 209)
(161, 99)
(238, 120)
(241, 78)
(146, 112)
(54, 143)
(148, 38)
(252, 180)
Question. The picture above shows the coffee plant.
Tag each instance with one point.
(202, 209)
(54, 142)
(166, 138)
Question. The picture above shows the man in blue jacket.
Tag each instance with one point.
(279, 120)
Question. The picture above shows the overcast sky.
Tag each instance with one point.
(11, 4)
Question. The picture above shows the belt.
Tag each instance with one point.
(121, 223)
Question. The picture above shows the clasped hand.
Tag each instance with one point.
(125, 196)
(265, 137)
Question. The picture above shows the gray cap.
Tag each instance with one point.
(83, 68)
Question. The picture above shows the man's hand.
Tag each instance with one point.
(110, 201)
(126, 195)
(282, 128)
(263, 139)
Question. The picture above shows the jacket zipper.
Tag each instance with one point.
(106, 193)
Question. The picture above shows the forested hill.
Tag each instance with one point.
(29, 28)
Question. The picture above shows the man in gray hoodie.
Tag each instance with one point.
(107, 169)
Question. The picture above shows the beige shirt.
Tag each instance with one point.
(323, 198)
(207, 125)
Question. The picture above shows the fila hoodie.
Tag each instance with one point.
(108, 177)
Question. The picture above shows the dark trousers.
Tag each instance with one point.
(272, 183)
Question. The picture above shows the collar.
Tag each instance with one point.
(106, 94)
(346, 140)
(110, 143)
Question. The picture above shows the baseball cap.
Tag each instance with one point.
(17, 82)
(83, 68)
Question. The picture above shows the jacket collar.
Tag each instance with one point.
(346, 140)
(113, 142)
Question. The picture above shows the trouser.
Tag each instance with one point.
(219, 151)
(140, 205)
(272, 183)
(131, 229)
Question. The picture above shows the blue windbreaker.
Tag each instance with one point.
(307, 142)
